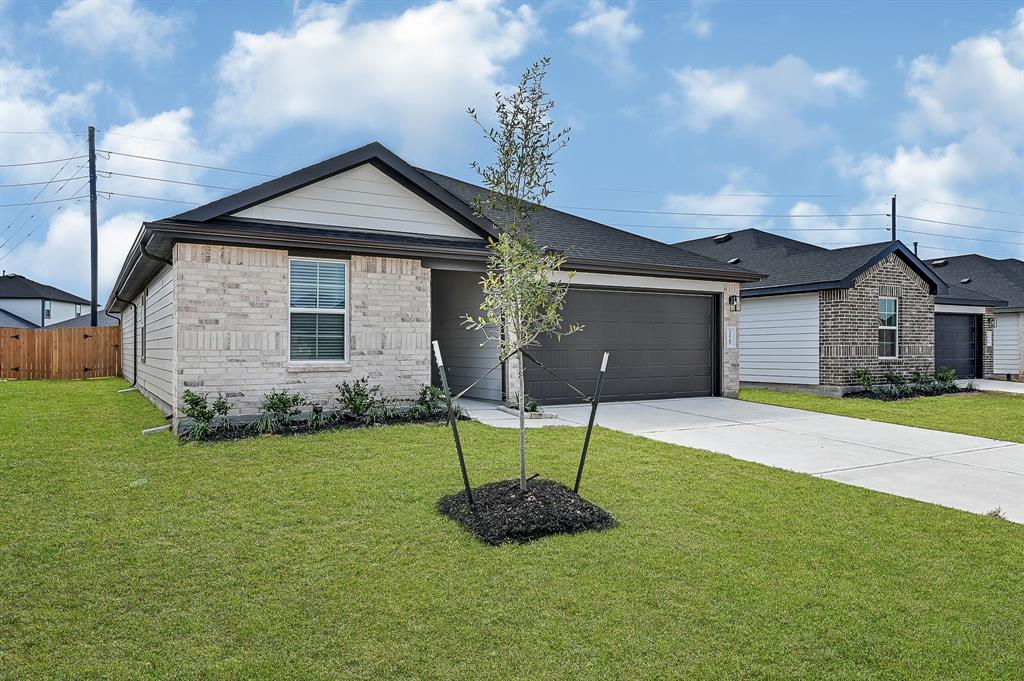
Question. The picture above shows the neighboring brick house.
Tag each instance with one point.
(822, 314)
(999, 278)
(351, 267)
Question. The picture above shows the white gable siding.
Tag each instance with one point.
(361, 198)
(779, 339)
(1006, 343)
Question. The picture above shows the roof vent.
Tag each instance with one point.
(939, 263)
(733, 261)
(965, 280)
(722, 238)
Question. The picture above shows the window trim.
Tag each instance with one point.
(47, 309)
(895, 328)
(78, 309)
(316, 310)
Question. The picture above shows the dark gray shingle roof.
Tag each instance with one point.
(588, 240)
(787, 262)
(102, 319)
(1002, 279)
(12, 320)
(17, 286)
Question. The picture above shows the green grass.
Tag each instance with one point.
(996, 415)
(322, 556)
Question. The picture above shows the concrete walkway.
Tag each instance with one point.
(960, 471)
(989, 385)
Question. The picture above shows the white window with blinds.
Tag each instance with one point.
(317, 310)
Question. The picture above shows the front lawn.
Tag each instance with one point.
(322, 556)
(995, 415)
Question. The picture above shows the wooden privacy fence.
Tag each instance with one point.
(84, 352)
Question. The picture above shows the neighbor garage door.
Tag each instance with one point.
(956, 338)
(661, 345)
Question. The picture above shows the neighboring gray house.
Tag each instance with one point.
(821, 314)
(38, 304)
(103, 318)
(350, 267)
(1001, 279)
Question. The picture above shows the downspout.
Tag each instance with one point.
(135, 338)
(142, 247)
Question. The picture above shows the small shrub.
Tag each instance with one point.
(319, 418)
(946, 379)
(893, 392)
(207, 420)
(364, 402)
(530, 404)
(278, 410)
(894, 378)
(431, 403)
(864, 379)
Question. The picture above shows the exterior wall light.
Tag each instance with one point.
(734, 303)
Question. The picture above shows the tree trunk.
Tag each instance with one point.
(522, 423)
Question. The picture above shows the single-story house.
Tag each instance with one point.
(103, 318)
(40, 305)
(1001, 279)
(822, 314)
(350, 267)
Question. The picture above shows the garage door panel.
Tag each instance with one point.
(956, 338)
(660, 345)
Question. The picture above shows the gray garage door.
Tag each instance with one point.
(956, 339)
(661, 345)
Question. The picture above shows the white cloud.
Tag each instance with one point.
(167, 135)
(413, 74)
(967, 116)
(698, 23)
(735, 199)
(107, 26)
(29, 105)
(762, 102)
(606, 33)
(61, 258)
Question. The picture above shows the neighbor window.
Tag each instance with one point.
(888, 327)
(317, 310)
(78, 309)
(46, 309)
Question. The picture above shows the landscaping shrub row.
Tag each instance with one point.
(281, 412)
(896, 387)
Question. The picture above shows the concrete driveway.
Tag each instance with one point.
(960, 471)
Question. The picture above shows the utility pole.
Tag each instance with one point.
(93, 236)
(892, 217)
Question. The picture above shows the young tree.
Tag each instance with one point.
(520, 304)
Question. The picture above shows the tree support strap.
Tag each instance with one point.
(586, 398)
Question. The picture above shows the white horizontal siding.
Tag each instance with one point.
(779, 339)
(156, 370)
(361, 198)
(1006, 343)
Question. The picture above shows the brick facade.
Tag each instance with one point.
(848, 325)
(988, 329)
(232, 326)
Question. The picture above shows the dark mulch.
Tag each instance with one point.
(503, 514)
(241, 431)
(888, 393)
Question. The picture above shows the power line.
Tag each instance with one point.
(147, 198)
(957, 224)
(960, 205)
(185, 163)
(36, 203)
(40, 224)
(40, 132)
(31, 184)
(162, 179)
(964, 238)
(774, 229)
(724, 215)
(40, 192)
(39, 163)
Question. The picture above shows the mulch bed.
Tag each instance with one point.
(502, 514)
(910, 393)
(238, 431)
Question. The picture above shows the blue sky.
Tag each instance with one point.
(802, 118)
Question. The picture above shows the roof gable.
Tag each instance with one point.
(374, 153)
(1002, 279)
(363, 197)
(17, 286)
